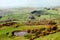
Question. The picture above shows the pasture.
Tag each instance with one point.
(23, 23)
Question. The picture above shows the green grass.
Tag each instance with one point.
(50, 37)
(4, 30)
(23, 16)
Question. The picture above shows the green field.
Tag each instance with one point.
(22, 16)
(5, 30)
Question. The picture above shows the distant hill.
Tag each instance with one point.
(20, 10)
(14, 10)
(21, 14)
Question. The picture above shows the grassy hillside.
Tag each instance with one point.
(21, 15)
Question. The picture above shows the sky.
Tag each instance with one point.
(28, 3)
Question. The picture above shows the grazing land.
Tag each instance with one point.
(39, 23)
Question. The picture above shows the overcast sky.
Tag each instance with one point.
(28, 3)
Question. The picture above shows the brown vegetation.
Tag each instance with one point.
(13, 24)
